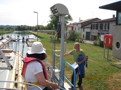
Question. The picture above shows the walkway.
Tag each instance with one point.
(88, 41)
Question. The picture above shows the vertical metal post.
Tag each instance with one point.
(61, 77)
(104, 52)
(108, 54)
(37, 26)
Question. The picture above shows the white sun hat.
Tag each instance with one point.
(37, 48)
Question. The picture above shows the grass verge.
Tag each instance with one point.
(100, 73)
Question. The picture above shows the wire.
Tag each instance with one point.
(53, 46)
(55, 41)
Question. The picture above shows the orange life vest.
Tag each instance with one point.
(26, 60)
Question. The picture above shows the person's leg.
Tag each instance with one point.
(80, 80)
(48, 88)
(72, 77)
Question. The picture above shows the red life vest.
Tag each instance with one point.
(26, 60)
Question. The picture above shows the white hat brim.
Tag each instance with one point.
(30, 52)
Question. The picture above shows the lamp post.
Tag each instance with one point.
(37, 24)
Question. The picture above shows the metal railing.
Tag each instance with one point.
(65, 62)
(20, 83)
(73, 85)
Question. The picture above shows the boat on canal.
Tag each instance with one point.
(11, 66)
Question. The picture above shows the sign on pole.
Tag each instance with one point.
(102, 37)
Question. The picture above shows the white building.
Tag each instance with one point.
(83, 27)
(102, 26)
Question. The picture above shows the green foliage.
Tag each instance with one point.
(44, 35)
(73, 35)
(97, 66)
(24, 27)
(5, 32)
(98, 42)
(54, 21)
(7, 28)
(42, 27)
(50, 26)
(95, 43)
(51, 33)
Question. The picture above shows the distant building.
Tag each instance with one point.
(116, 52)
(83, 27)
(69, 27)
(102, 26)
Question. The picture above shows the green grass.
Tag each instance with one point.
(109, 74)
(5, 32)
(44, 35)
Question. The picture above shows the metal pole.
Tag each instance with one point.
(62, 51)
(104, 52)
(108, 54)
(37, 26)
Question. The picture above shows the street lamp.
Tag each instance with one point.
(37, 24)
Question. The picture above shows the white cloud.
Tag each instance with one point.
(20, 12)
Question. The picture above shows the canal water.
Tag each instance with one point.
(19, 45)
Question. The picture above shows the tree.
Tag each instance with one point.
(54, 21)
(24, 27)
(73, 35)
(49, 26)
(42, 27)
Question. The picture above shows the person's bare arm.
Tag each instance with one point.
(64, 54)
(82, 60)
(42, 81)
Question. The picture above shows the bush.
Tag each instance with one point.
(98, 42)
(73, 35)
(95, 43)
(51, 33)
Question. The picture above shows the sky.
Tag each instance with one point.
(21, 12)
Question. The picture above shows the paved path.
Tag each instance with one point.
(88, 41)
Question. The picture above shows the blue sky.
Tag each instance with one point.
(20, 12)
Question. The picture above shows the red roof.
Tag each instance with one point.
(88, 26)
(86, 20)
(71, 24)
(106, 20)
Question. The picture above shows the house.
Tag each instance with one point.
(116, 52)
(69, 27)
(83, 27)
(86, 32)
(105, 26)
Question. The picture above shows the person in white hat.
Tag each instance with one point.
(34, 71)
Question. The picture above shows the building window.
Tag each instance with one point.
(93, 26)
(118, 21)
(96, 26)
(107, 26)
(99, 26)
(104, 25)
(83, 35)
(83, 29)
